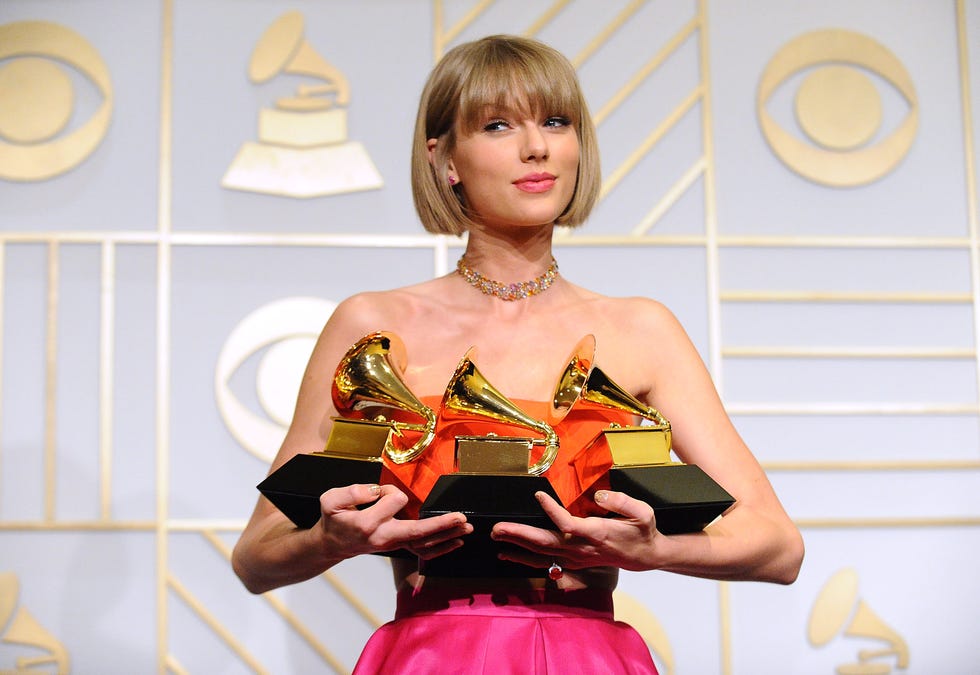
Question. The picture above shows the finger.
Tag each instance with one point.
(526, 536)
(559, 515)
(624, 505)
(390, 502)
(527, 558)
(436, 550)
(409, 533)
(455, 532)
(345, 498)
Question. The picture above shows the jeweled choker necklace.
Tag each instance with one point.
(515, 291)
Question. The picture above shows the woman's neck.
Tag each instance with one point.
(509, 255)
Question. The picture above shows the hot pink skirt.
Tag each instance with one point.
(533, 631)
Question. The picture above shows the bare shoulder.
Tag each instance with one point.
(381, 310)
(636, 317)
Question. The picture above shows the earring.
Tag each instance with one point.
(452, 181)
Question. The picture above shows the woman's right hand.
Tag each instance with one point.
(345, 530)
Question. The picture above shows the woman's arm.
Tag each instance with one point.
(271, 551)
(754, 540)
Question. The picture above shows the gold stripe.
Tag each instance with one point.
(437, 23)
(971, 171)
(603, 36)
(845, 296)
(162, 413)
(200, 524)
(284, 611)
(846, 242)
(574, 239)
(106, 371)
(335, 240)
(831, 523)
(646, 71)
(676, 191)
(634, 157)
(198, 608)
(940, 465)
(712, 265)
(200, 238)
(51, 385)
(546, 18)
(471, 16)
(297, 625)
(352, 599)
(868, 409)
(847, 353)
(84, 525)
(173, 665)
(713, 283)
(3, 293)
(725, 612)
(90, 237)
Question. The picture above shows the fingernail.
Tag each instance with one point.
(375, 489)
(601, 496)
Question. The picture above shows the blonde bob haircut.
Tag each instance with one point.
(497, 72)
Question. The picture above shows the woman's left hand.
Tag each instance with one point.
(629, 542)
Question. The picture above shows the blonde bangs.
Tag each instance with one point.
(528, 81)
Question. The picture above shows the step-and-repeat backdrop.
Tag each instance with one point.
(187, 187)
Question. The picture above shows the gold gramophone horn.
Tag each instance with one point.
(370, 375)
(583, 382)
(469, 394)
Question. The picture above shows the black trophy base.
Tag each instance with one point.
(486, 500)
(296, 486)
(684, 498)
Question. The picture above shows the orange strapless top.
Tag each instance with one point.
(583, 455)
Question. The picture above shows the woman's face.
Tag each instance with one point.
(516, 169)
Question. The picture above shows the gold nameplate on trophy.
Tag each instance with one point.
(502, 455)
(638, 446)
(357, 439)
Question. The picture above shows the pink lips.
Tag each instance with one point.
(535, 182)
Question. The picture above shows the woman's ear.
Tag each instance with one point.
(432, 146)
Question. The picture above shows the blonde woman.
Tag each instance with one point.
(505, 151)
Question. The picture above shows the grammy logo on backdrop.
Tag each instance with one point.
(303, 149)
(838, 610)
(18, 626)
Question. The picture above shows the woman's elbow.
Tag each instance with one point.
(791, 559)
(244, 573)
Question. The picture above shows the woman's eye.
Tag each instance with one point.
(557, 121)
(496, 125)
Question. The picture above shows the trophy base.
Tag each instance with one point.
(486, 500)
(296, 486)
(684, 498)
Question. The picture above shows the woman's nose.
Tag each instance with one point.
(535, 143)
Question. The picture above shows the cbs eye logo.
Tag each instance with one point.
(37, 100)
(838, 108)
(281, 336)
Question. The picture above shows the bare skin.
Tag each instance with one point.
(521, 348)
